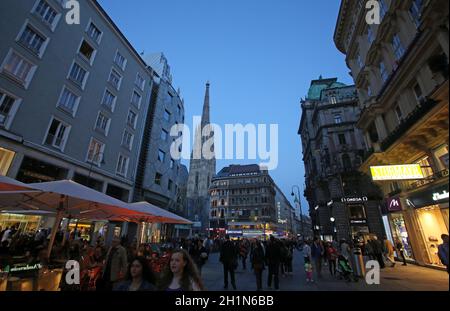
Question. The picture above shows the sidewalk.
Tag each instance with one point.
(399, 278)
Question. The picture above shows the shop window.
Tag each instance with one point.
(34, 171)
(6, 157)
(357, 211)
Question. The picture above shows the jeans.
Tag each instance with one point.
(318, 267)
(274, 271)
(258, 274)
(228, 269)
(332, 266)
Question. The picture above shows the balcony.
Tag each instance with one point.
(413, 118)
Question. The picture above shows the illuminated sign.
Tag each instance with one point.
(397, 172)
(26, 268)
(440, 196)
(393, 204)
(355, 200)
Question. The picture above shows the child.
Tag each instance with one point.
(309, 271)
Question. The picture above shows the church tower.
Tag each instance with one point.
(201, 171)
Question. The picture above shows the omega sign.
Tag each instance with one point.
(354, 200)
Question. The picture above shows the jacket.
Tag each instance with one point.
(125, 286)
(228, 253)
(119, 263)
(273, 252)
(257, 256)
(443, 253)
(317, 251)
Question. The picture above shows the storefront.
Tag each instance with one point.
(431, 212)
(26, 224)
(6, 158)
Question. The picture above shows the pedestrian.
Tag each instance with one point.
(229, 260)
(257, 256)
(243, 252)
(138, 278)
(389, 251)
(116, 265)
(201, 255)
(378, 251)
(181, 274)
(401, 250)
(331, 255)
(308, 261)
(273, 256)
(317, 253)
(443, 250)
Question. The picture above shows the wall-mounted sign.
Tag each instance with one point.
(393, 204)
(354, 199)
(21, 268)
(429, 196)
(358, 221)
(396, 172)
(439, 196)
(237, 232)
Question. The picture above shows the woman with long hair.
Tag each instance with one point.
(181, 274)
(138, 278)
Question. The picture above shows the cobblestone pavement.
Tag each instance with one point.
(399, 278)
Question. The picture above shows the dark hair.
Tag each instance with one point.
(147, 274)
(190, 273)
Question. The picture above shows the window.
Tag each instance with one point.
(164, 135)
(167, 115)
(68, 101)
(132, 118)
(370, 35)
(418, 92)
(19, 68)
(122, 165)
(120, 61)
(398, 112)
(140, 82)
(161, 156)
(46, 13)
(399, 50)
(383, 72)
(6, 107)
(356, 211)
(337, 119)
(6, 158)
(102, 123)
(87, 51)
(78, 75)
(95, 151)
(115, 79)
(416, 11)
(333, 100)
(158, 178)
(32, 40)
(127, 140)
(109, 100)
(94, 33)
(342, 139)
(426, 167)
(136, 99)
(170, 185)
(57, 134)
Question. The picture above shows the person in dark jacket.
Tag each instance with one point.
(228, 258)
(257, 256)
(377, 247)
(139, 277)
(317, 253)
(273, 258)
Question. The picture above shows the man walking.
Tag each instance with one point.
(228, 258)
(389, 251)
(116, 265)
(317, 252)
(273, 257)
(257, 259)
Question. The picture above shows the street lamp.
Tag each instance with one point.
(300, 206)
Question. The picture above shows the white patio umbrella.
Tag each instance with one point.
(70, 199)
(9, 184)
(157, 214)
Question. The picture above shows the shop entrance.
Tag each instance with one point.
(400, 233)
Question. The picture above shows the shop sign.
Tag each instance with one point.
(237, 232)
(393, 204)
(183, 227)
(397, 172)
(354, 199)
(358, 221)
(440, 196)
(23, 268)
(429, 197)
(197, 224)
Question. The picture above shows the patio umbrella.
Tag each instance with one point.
(70, 199)
(156, 214)
(9, 184)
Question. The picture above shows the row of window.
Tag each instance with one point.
(170, 184)
(245, 213)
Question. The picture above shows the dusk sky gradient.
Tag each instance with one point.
(259, 55)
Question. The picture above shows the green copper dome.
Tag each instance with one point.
(317, 86)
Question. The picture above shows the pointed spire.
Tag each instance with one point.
(205, 114)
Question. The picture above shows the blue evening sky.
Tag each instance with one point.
(259, 55)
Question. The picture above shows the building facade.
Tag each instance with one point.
(202, 168)
(342, 202)
(73, 98)
(243, 203)
(400, 68)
